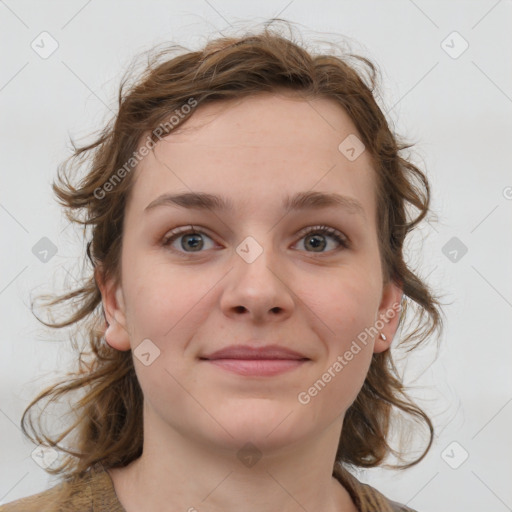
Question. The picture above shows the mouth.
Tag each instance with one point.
(257, 367)
(256, 361)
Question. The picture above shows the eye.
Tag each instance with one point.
(191, 239)
(314, 237)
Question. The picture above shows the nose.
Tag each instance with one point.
(258, 286)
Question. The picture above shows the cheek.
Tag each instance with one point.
(162, 300)
(343, 372)
(342, 321)
(347, 305)
(350, 312)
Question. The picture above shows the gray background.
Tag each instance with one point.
(455, 106)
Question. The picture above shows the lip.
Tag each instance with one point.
(249, 352)
(254, 361)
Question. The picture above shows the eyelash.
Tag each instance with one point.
(323, 230)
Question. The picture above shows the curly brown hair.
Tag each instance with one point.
(108, 423)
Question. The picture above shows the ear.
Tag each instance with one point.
(388, 315)
(116, 334)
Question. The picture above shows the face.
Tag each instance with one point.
(308, 279)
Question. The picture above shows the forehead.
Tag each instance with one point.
(255, 149)
(266, 120)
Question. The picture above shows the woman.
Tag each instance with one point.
(248, 208)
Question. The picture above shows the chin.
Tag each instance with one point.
(268, 428)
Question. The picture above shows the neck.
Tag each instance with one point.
(176, 472)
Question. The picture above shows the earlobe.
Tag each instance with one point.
(388, 316)
(382, 343)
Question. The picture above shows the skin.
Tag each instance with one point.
(197, 417)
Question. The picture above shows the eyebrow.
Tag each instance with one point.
(300, 201)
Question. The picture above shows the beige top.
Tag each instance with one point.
(96, 493)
